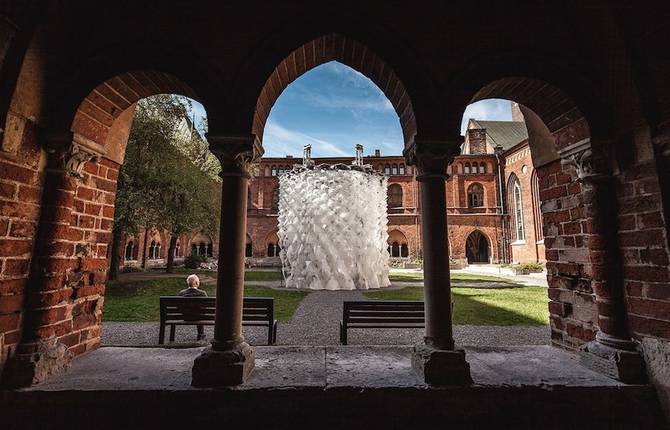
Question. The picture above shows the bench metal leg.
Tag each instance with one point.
(274, 332)
(161, 334)
(343, 334)
(172, 332)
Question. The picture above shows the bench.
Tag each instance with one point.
(381, 314)
(174, 311)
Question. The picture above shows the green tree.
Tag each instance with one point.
(168, 179)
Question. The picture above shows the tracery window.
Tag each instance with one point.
(475, 196)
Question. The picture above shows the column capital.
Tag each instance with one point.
(593, 164)
(69, 152)
(236, 152)
(431, 157)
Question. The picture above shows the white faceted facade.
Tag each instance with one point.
(333, 227)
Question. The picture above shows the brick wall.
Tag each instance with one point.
(573, 314)
(644, 247)
(20, 191)
(519, 163)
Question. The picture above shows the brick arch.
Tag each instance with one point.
(107, 102)
(556, 108)
(336, 47)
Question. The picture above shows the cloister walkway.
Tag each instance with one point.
(331, 386)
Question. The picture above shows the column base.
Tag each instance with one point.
(35, 362)
(441, 367)
(223, 368)
(616, 358)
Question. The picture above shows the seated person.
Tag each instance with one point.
(193, 283)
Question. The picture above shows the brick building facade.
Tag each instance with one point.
(482, 224)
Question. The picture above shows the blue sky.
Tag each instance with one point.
(333, 108)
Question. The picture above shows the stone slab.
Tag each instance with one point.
(372, 366)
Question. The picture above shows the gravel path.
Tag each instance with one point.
(316, 322)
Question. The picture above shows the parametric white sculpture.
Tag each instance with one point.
(333, 226)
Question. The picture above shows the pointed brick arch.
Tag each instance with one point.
(335, 47)
(109, 100)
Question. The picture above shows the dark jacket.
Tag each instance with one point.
(192, 292)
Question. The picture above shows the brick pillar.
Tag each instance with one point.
(44, 348)
(230, 360)
(613, 351)
(436, 360)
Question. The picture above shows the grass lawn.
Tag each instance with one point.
(418, 276)
(138, 301)
(479, 306)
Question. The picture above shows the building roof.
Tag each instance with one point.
(505, 134)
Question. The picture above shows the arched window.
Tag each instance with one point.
(387, 169)
(248, 249)
(154, 250)
(177, 250)
(274, 170)
(516, 207)
(202, 249)
(482, 168)
(404, 251)
(537, 213)
(128, 254)
(267, 171)
(402, 169)
(466, 169)
(475, 168)
(475, 196)
(194, 249)
(271, 250)
(394, 196)
(395, 169)
(395, 249)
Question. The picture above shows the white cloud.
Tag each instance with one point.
(280, 141)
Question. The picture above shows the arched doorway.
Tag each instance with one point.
(272, 245)
(477, 248)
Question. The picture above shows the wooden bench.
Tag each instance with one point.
(381, 314)
(257, 311)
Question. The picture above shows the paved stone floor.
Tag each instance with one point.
(114, 368)
(316, 322)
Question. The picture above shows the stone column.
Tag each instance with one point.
(436, 361)
(613, 352)
(54, 274)
(230, 360)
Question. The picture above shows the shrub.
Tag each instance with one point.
(193, 261)
(526, 268)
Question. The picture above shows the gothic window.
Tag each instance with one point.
(482, 168)
(516, 208)
(466, 169)
(475, 168)
(394, 196)
(271, 250)
(274, 170)
(128, 254)
(395, 249)
(154, 250)
(395, 169)
(248, 249)
(537, 213)
(387, 169)
(402, 169)
(475, 196)
(404, 251)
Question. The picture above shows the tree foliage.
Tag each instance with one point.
(169, 179)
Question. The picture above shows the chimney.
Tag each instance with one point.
(378, 153)
(477, 140)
